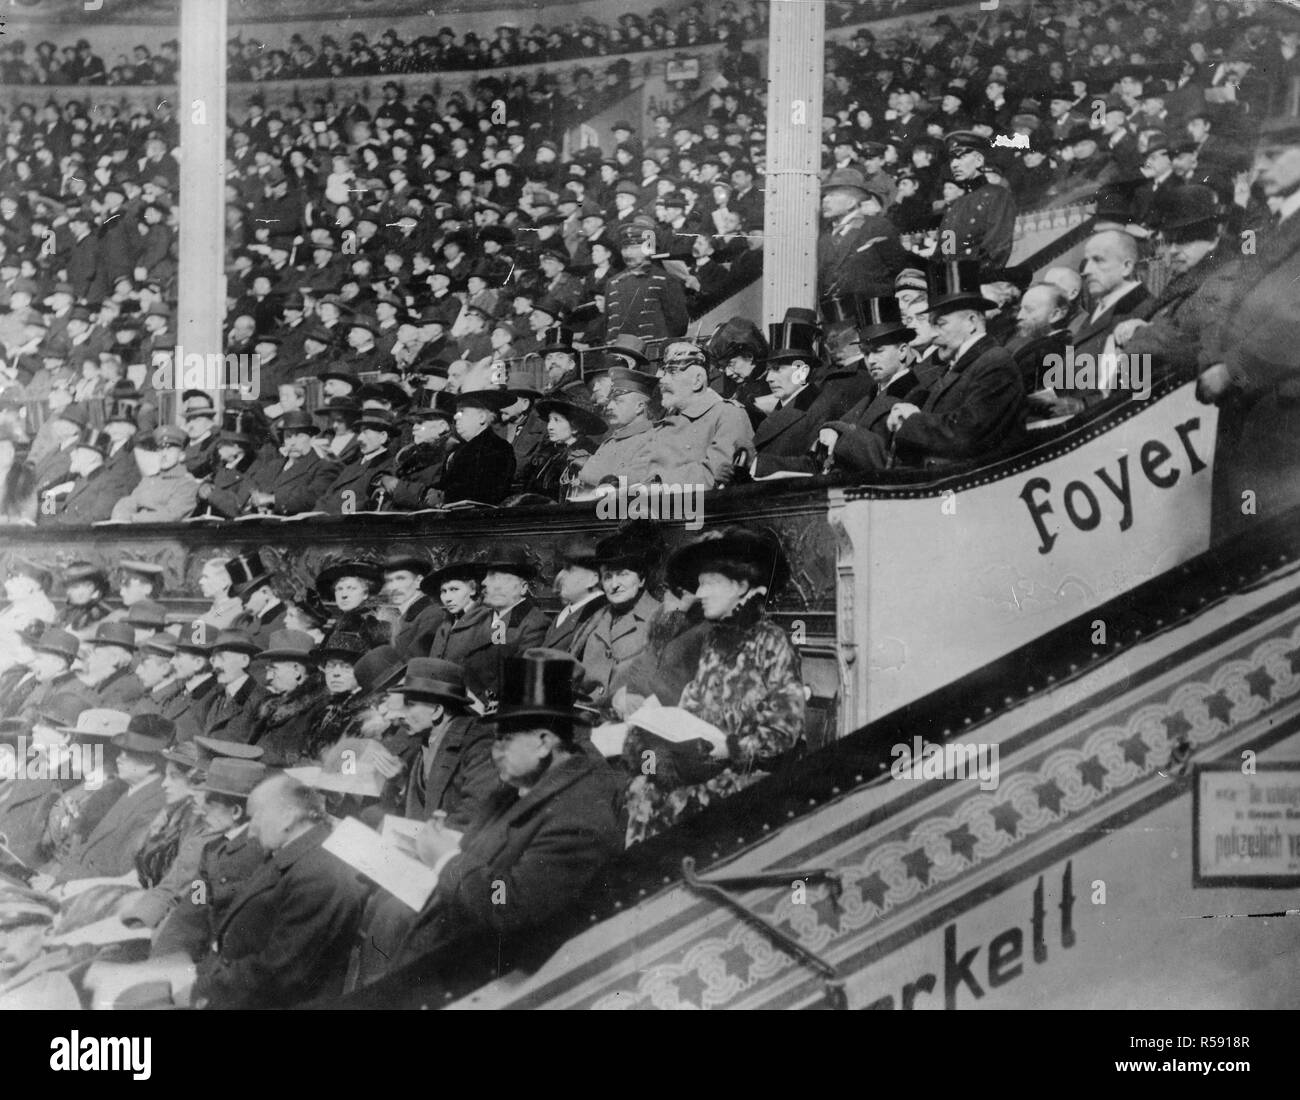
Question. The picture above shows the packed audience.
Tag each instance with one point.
(430, 310)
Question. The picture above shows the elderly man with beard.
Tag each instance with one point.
(108, 674)
(1041, 331)
(284, 722)
(698, 441)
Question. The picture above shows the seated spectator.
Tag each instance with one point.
(483, 466)
(167, 491)
(1042, 330)
(700, 439)
(85, 587)
(571, 431)
(618, 631)
(625, 450)
(293, 484)
(577, 584)
(285, 720)
(108, 677)
(748, 685)
(358, 484)
(236, 697)
(27, 588)
(542, 838)
(343, 702)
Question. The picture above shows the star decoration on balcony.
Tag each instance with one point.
(1093, 772)
(1261, 683)
(1049, 796)
(1006, 817)
(1136, 749)
(962, 841)
(1219, 706)
(918, 866)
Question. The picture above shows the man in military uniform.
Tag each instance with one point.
(167, 495)
(625, 451)
(858, 253)
(981, 223)
(644, 300)
(703, 435)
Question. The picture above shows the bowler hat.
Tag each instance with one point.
(537, 685)
(234, 778)
(143, 743)
(240, 641)
(289, 645)
(119, 634)
(61, 643)
(194, 637)
(147, 614)
(215, 746)
(405, 562)
(296, 421)
(379, 669)
(431, 678)
(492, 399)
(341, 374)
(851, 178)
(628, 347)
(1190, 205)
(161, 644)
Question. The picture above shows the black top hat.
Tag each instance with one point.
(881, 322)
(93, 439)
(837, 311)
(328, 577)
(431, 678)
(1191, 205)
(247, 572)
(537, 685)
(792, 340)
(955, 284)
(739, 553)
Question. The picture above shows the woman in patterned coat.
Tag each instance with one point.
(748, 685)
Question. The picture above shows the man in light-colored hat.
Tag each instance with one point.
(166, 494)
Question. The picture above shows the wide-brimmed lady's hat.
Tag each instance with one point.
(754, 556)
(342, 645)
(583, 421)
(636, 545)
(328, 577)
(461, 569)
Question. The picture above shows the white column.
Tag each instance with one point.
(795, 62)
(202, 117)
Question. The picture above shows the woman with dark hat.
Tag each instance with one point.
(344, 700)
(620, 629)
(85, 587)
(748, 684)
(349, 586)
(284, 722)
(572, 435)
(457, 586)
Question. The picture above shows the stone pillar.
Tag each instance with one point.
(796, 45)
(201, 114)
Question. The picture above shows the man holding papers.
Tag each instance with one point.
(544, 836)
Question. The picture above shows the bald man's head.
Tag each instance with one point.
(1069, 280)
(281, 809)
(1109, 261)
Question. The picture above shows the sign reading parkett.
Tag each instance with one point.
(1247, 825)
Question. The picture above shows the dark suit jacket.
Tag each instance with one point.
(572, 634)
(481, 469)
(109, 848)
(350, 490)
(92, 499)
(418, 621)
(121, 691)
(974, 409)
(1091, 335)
(300, 487)
(286, 936)
(853, 450)
(460, 778)
(225, 865)
(188, 709)
(787, 430)
(1030, 357)
(25, 806)
(542, 849)
(469, 642)
(231, 717)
